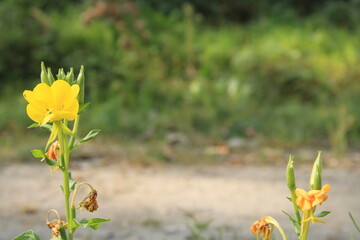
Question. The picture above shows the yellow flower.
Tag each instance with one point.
(265, 226)
(52, 103)
(308, 200)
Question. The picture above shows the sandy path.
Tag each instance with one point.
(154, 203)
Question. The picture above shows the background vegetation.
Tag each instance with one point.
(285, 72)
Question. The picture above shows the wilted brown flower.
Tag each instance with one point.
(90, 203)
(56, 224)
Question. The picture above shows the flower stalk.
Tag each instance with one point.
(52, 104)
(291, 183)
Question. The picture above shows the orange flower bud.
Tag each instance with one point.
(54, 151)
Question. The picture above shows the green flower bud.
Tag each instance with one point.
(70, 76)
(290, 174)
(61, 74)
(50, 76)
(43, 75)
(81, 82)
(315, 178)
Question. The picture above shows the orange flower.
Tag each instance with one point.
(54, 151)
(54, 154)
(265, 226)
(308, 200)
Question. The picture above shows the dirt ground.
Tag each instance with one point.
(162, 202)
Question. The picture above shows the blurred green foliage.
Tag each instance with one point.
(217, 69)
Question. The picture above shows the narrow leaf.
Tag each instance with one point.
(89, 136)
(294, 222)
(28, 235)
(72, 183)
(290, 217)
(354, 222)
(84, 107)
(33, 125)
(45, 126)
(323, 214)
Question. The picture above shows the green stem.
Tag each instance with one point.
(74, 132)
(65, 158)
(305, 226)
(296, 209)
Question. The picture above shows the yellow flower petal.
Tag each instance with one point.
(58, 115)
(41, 94)
(61, 91)
(35, 114)
(73, 107)
(75, 89)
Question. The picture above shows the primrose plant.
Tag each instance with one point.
(304, 204)
(56, 106)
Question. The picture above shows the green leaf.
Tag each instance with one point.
(51, 162)
(38, 153)
(84, 107)
(28, 235)
(45, 126)
(88, 137)
(354, 222)
(93, 223)
(322, 214)
(290, 217)
(72, 183)
(294, 222)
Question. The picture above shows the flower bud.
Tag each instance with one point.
(50, 76)
(81, 82)
(54, 151)
(70, 76)
(61, 74)
(315, 178)
(290, 174)
(43, 75)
